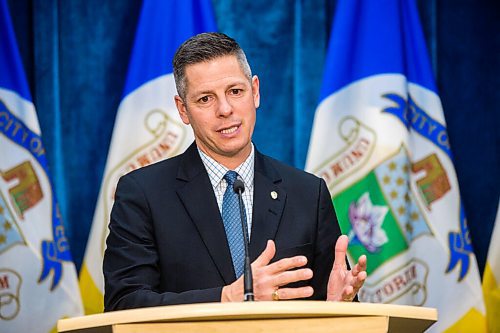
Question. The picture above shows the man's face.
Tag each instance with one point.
(220, 106)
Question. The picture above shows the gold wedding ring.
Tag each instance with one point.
(275, 296)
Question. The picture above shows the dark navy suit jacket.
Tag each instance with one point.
(167, 243)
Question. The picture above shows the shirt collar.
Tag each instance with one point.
(216, 171)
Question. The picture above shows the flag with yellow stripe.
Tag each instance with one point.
(147, 127)
(491, 279)
(380, 142)
(38, 280)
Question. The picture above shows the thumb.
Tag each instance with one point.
(340, 251)
(266, 255)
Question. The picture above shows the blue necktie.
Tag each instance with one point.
(232, 224)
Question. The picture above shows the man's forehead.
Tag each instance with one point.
(224, 70)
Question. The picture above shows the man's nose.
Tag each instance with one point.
(224, 108)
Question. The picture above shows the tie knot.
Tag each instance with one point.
(230, 177)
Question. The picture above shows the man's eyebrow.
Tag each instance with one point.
(234, 84)
(228, 86)
(203, 92)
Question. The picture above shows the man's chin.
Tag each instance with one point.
(239, 154)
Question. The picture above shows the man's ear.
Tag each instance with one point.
(255, 91)
(181, 108)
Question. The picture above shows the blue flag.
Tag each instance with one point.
(147, 127)
(35, 261)
(380, 142)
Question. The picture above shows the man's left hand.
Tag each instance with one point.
(344, 284)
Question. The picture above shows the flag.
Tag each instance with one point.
(38, 280)
(147, 127)
(491, 279)
(379, 140)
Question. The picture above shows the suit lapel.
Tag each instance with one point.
(267, 206)
(197, 195)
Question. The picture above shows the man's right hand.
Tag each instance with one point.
(267, 278)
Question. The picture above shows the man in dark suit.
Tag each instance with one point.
(173, 237)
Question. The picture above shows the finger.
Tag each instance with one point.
(292, 276)
(266, 256)
(286, 264)
(363, 262)
(293, 293)
(348, 293)
(360, 266)
(355, 270)
(359, 280)
(340, 251)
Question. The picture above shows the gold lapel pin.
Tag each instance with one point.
(274, 195)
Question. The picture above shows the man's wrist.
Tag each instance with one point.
(225, 294)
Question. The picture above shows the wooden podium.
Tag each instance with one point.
(276, 317)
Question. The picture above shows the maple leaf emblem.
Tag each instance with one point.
(366, 220)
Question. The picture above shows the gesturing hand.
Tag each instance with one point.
(267, 278)
(344, 284)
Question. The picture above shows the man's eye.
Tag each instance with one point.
(204, 99)
(235, 91)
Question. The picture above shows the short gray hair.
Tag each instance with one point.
(202, 48)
